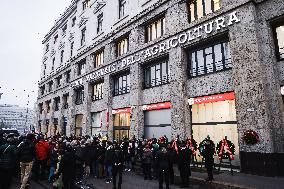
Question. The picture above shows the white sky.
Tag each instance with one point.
(23, 25)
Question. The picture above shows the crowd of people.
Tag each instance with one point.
(64, 160)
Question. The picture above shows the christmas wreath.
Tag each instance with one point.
(225, 149)
(250, 137)
(192, 144)
(202, 144)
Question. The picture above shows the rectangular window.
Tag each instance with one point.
(210, 59)
(200, 8)
(73, 21)
(121, 120)
(82, 67)
(121, 84)
(64, 29)
(279, 43)
(157, 74)
(100, 23)
(55, 39)
(61, 56)
(47, 47)
(40, 108)
(96, 123)
(53, 62)
(98, 91)
(122, 4)
(155, 29)
(85, 4)
(67, 76)
(58, 79)
(71, 48)
(56, 103)
(42, 90)
(98, 58)
(83, 36)
(65, 101)
(50, 85)
(122, 46)
(79, 96)
(48, 106)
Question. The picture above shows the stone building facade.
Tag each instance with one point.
(173, 67)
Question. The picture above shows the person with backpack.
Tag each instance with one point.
(8, 154)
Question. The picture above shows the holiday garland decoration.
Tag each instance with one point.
(225, 149)
(250, 137)
(192, 144)
(201, 146)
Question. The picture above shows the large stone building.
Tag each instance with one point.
(169, 67)
(16, 117)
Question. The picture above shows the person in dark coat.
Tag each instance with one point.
(117, 166)
(8, 154)
(27, 157)
(147, 158)
(209, 159)
(184, 158)
(108, 162)
(67, 167)
(172, 155)
(163, 166)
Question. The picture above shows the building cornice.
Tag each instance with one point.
(69, 10)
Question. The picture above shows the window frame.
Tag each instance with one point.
(203, 47)
(275, 25)
(203, 4)
(121, 8)
(98, 55)
(100, 23)
(73, 21)
(100, 95)
(61, 56)
(124, 39)
(120, 90)
(71, 48)
(65, 100)
(56, 103)
(83, 36)
(149, 31)
(147, 74)
(79, 96)
(81, 67)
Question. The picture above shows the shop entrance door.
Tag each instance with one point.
(120, 133)
(216, 119)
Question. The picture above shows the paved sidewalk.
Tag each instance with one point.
(241, 180)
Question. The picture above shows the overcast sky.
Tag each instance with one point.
(23, 25)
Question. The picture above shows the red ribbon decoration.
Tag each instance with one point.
(190, 145)
(225, 145)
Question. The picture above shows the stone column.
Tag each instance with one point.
(87, 109)
(108, 96)
(137, 118)
(70, 128)
(179, 107)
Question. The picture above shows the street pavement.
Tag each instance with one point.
(130, 180)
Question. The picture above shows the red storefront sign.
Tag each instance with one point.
(158, 106)
(122, 110)
(212, 98)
